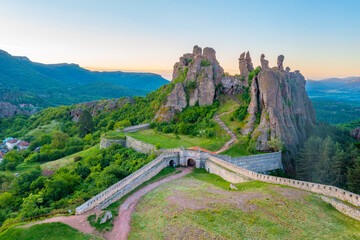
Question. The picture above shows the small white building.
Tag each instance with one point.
(12, 143)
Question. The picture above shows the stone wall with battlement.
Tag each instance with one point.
(139, 146)
(134, 128)
(258, 163)
(229, 176)
(105, 143)
(126, 185)
(326, 190)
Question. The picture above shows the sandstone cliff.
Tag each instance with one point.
(279, 106)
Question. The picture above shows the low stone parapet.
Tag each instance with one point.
(326, 190)
(126, 185)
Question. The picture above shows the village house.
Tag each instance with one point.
(12, 143)
(23, 145)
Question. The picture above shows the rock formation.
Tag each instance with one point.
(245, 64)
(8, 110)
(280, 61)
(286, 111)
(355, 133)
(279, 106)
(95, 107)
(264, 62)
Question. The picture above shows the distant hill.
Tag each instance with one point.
(335, 89)
(42, 85)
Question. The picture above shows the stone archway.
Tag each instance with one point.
(191, 162)
(172, 163)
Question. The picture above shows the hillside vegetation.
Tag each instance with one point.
(45, 85)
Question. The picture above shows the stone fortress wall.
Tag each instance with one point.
(258, 163)
(126, 185)
(326, 190)
(134, 128)
(235, 170)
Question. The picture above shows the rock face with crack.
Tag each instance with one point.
(286, 111)
(279, 106)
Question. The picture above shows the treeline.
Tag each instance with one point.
(32, 194)
(330, 156)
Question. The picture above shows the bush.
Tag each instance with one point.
(205, 63)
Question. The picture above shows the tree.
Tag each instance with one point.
(353, 179)
(59, 140)
(85, 123)
(276, 144)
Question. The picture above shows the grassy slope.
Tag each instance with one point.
(274, 216)
(170, 141)
(46, 231)
(43, 129)
(56, 164)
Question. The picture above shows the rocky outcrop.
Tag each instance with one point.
(96, 107)
(245, 64)
(264, 62)
(195, 76)
(8, 110)
(177, 98)
(286, 111)
(279, 107)
(355, 133)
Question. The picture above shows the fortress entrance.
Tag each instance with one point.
(172, 163)
(191, 162)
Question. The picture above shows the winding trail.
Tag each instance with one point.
(78, 222)
(121, 227)
(228, 144)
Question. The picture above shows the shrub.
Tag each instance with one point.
(205, 63)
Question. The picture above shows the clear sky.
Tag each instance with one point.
(321, 38)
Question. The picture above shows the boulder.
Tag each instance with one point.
(108, 215)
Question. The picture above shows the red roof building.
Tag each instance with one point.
(12, 141)
(202, 149)
(24, 144)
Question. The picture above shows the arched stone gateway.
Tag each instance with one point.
(191, 162)
(172, 163)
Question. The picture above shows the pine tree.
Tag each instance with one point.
(85, 123)
(353, 177)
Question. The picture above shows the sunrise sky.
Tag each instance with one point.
(319, 38)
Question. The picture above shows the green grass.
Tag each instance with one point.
(238, 150)
(199, 206)
(46, 231)
(227, 104)
(114, 135)
(170, 140)
(44, 129)
(65, 161)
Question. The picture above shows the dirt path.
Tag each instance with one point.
(121, 227)
(78, 222)
(228, 144)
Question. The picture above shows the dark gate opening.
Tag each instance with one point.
(172, 163)
(191, 163)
